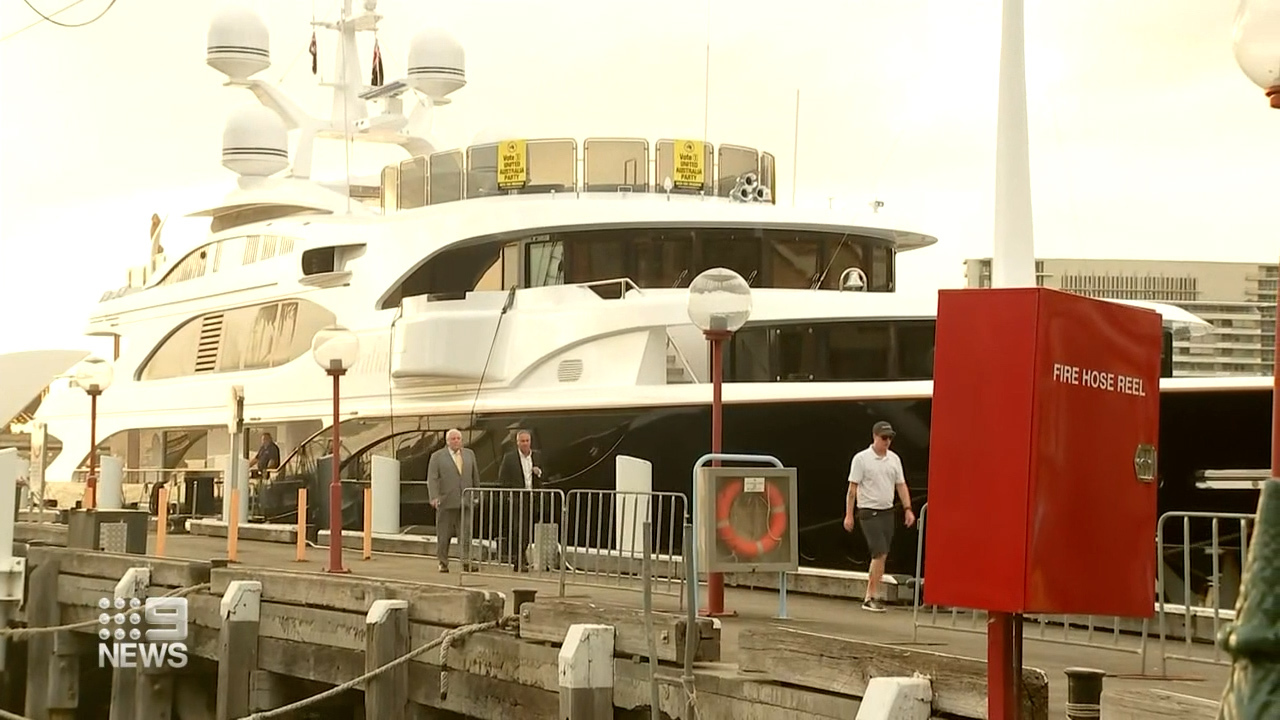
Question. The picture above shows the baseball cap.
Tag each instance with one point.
(882, 429)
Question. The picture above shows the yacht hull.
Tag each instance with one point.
(1221, 429)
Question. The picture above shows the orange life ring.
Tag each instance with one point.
(748, 547)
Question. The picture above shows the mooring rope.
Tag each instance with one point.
(10, 716)
(445, 640)
(18, 634)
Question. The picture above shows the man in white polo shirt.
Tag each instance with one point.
(874, 474)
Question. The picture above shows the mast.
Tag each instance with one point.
(1013, 260)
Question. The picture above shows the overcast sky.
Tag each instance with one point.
(1146, 139)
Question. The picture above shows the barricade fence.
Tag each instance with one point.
(583, 537)
(1190, 607)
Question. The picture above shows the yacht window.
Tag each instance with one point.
(749, 355)
(444, 177)
(510, 265)
(317, 261)
(411, 191)
(482, 171)
(662, 259)
(611, 165)
(881, 275)
(797, 353)
(793, 261)
(551, 165)
(735, 161)
(595, 256)
(857, 351)
(842, 253)
(913, 343)
(190, 267)
(545, 263)
(737, 250)
(246, 338)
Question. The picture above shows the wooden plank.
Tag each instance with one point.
(549, 621)
(842, 665)
(1148, 703)
(50, 533)
(437, 604)
(165, 572)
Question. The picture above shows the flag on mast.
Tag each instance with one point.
(312, 49)
(376, 80)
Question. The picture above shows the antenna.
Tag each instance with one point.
(795, 150)
(348, 33)
(238, 48)
(706, 80)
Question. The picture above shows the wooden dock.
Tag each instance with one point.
(269, 632)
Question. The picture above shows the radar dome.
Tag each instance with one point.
(255, 142)
(239, 44)
(437, 63)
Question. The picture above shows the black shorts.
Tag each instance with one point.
(877, 528)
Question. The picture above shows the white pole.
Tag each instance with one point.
(1013, 261)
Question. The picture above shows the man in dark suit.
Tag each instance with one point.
(522, 470)
(451, 470)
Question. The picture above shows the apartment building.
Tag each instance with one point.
(1238, 299)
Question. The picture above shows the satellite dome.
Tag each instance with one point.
(255, 142)
(437, 63)
(239, 43)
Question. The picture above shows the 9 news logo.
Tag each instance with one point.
(124, 644)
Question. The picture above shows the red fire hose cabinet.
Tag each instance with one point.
(1042, 458)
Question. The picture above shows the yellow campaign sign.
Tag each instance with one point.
(513, 171)
(689, 166)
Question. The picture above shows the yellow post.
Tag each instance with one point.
(162, 521)
(302, 525)
(368, 523)
(233, 525)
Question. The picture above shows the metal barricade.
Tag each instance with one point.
(513, 531)
(1196, 609)
(603, 539)
(1201, 615)
(1092, 631)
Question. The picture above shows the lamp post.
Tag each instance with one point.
(335, 349)
(94, 376)
(719, 304)
(1253, 688)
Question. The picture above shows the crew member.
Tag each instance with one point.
(268, 457)
(521, 474)
(874, 473)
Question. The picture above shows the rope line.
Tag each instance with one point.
(18, 634)
(443, 642)
(5, 715)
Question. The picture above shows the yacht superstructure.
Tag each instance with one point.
(526, 283)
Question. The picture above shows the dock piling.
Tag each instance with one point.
(238, 647)
(386, 635)
(586, 672)
(130, 592)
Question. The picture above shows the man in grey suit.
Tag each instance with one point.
(452, 469)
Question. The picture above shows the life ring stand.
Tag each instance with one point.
(751, 547)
